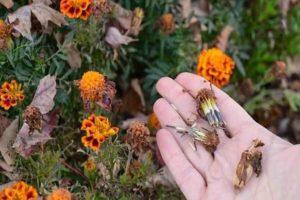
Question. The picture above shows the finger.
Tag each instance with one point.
(234, 115)
(186, 176)
(184, 103)
(168, 116)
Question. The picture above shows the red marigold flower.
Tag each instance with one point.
(19, 190)
(10, 94)
(215, 66)
(76, 8)
(97, 129)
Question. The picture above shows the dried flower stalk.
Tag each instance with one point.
(250, 162)
(208, 139)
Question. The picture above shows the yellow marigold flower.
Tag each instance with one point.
(97, 129)
(167, 23)
(10, 94)
(153, 121)
(77, 8)
(89, 165)
(60, 194)
(5, 35)
(90, 84)
(215, 66)
(19, 191)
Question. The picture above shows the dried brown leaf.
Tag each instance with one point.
(44, 95)
(21, 18)
(115, 38)
(4, 123)
(7, 3)
(222, 39)
(6, 141)
(107, 95)
(26, 142)
(73, 55)
(123, 16)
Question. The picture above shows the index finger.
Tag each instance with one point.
(234, 115)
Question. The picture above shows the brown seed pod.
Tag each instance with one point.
(33, 118)
(208, 109)
(250, 162)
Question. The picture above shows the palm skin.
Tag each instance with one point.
(197, 173)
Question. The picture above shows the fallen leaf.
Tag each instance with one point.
(73, 55)
(7, 3)
(222, 39)
(26, 142)
(123, 16)
(115, 38)
(44, 95)
(21, 18)
(4, 123)
(163, 177)
(137, 88)
(6, 141)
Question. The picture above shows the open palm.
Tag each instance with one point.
(201, 176)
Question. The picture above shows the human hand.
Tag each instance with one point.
(197, 173)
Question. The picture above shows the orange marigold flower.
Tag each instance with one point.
(19, 191)
(76, 8)
(10, 94)
(5, 35)
(215, 66)
(60, 194)
(89, 165)
(153, 121)
(90, 84)
(97, 129)
(167, 23)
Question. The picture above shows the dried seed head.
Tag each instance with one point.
(207, 107)
(211, 142)
(33, 118)
(138, 137)
(250, 162)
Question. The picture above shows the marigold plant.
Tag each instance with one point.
(97, 129)
(215, 66)
(77, 8)
(19, 191)
(10, 94)
(89, 165)
(60, 194)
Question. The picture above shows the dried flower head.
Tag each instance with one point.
(137, 18)
(138, 137)
(250, 162)
(77, 8)
(215, 66)
(95, 87)
(19, 191)
(33, 118)
(60, 194)
(207, 107)
(209, 139)
(101, 7)
(5, 35)
(278, 70)
(89, 165)
(97, 129)
(167, 23)
(10, 94)
(153, 122)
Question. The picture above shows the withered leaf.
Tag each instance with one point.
(44, 95)
(4, 123)
(123, 16)
(21, 18)
(222, 39)
(250, 162)
(26, 142)
(7, 3)
(6, 141)
(73, 55)
(115, 38)
(107, 95)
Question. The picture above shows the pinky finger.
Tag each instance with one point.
(186, 176)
